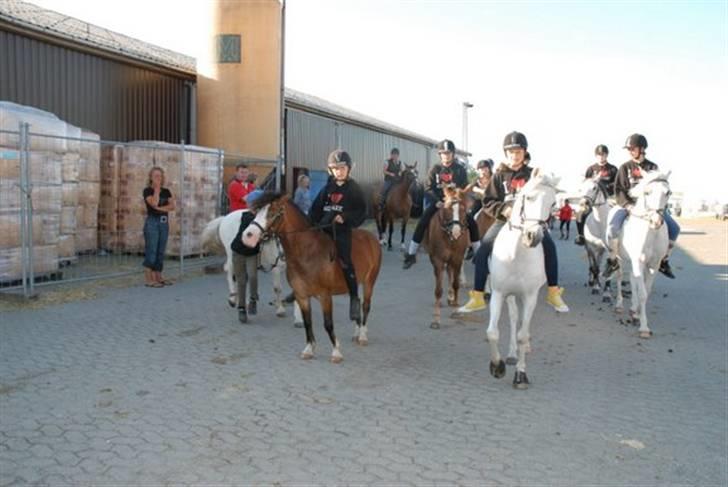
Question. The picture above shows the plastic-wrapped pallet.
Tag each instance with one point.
(45, 260)
(40, 121)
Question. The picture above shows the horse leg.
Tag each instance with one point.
(305, 305)
(297, 315)
(327, 306)
(593, 270)
(528, 305)
(438, 295)
(512, 357)
(278, 290)
(404, 232)
(453, 281)
(391, 229)
(619, 306)
(645, 288)
(232, 290)
(361, 337)
(497, 365)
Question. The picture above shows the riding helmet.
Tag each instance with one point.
(485, 163)
(601, 150)
(394, 151)
(515, 140)
(339, 157)
(636, 140)
(446, 145)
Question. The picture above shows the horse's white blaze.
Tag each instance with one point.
(252, 234)
(456, 228)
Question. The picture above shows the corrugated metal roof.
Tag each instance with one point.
(316, 104)
(47, 21)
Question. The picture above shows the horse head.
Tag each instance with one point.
(271, 254)
(452, 213)
(270, 210)
(591, 193)
(652, 194)
(532, 207)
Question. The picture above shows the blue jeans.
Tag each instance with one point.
(156, 231)
(551, 261)
(620, 214)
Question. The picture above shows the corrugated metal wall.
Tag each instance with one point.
(116, 100)
(310, 139)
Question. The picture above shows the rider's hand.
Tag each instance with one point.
(338, 219)
(506, 212)
(439, 204)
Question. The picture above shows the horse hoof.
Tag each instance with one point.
(619, 310)
(435, 325)
(646, 334)
(452, 304)
(498, 370)
(595, 292)
(520, 380)
(336, 359)
(306, 355)
(511, 361)
(606, 299)
(231, 303)
(281, 314)
(362, 342)
(298, 324)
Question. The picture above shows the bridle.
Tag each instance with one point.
(591, 199)
(523, 220)
(649, 213)
(447, 226)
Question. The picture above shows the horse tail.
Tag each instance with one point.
(211, 237)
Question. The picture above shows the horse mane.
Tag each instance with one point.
(267, 198)
(647, 178)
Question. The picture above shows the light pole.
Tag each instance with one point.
(466, 105)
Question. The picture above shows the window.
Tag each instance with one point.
(228, 48)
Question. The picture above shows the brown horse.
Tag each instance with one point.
(398, 205)
(447, 240)
(311, 265)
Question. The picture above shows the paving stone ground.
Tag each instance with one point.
(165, 387)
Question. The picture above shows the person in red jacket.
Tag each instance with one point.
(239, 188)
(565, 214)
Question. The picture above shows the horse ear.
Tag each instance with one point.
(667, 174)
(536, 172)
(415, 164)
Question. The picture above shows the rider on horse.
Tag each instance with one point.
(340, 207)
(628, 177)
(498, 203)
(485, 173)
(392, 173)
(607, 173)
(448, 171)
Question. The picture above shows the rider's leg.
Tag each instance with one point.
(474, 237)
(551, 263)
(241, 279)
(568, 228)
(476, 301)
(673, 230)
(385, 191)
(343, 250)
(561, 228)
(580, 221)
(410, 256)
(615, 220)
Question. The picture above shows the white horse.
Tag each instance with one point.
(517, 270)
(217, 237)
(593, 195)
(644, 242)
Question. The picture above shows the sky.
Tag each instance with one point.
(569, 74)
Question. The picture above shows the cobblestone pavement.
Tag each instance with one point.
(166, 387)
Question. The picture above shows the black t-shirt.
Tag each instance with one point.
(346, 200)
(395, 167)
(164, 197)
(628, 176)
(607, 174)
(441, 175)
(237, 245)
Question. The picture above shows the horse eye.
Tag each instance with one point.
(531, 198)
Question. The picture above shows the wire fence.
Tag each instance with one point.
(71, 208)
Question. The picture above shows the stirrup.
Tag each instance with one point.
(611, 267)
(666, 269)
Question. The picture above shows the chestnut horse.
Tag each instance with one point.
(447, 239)
(311, 265)
(398, 205)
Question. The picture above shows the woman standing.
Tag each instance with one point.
(565, 214)
(302, 197)
(159, 202)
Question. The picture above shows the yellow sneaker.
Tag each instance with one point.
(475, 303)
(554, 299)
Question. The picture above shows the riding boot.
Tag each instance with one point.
(252, 307)
(242, 315)
(354, 303)
(612, 264)
(580, 240)
(474, 246)
(410, 257)
(665, 263)
(290, 298)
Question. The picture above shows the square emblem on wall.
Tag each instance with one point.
(228, 48)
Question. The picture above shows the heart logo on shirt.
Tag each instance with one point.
(446, 177)
(636, 173)
(336, 198)
(517, 183)
(604, 173)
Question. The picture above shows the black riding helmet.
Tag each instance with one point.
(339, 157)
(394, 151)
(446, 145)
(601, 150)
(515, 140)
(485, 163)
(636, 140)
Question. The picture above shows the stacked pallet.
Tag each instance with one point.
(89, 193)
(45, 174)
(124, 174)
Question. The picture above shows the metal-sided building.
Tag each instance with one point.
(125, 89)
